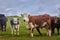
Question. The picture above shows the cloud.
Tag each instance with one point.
(8, 9)
(23, 0)
(12, 7)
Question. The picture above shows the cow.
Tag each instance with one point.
(14, 26)
(36, 22)
(58, 25)
(3, 22)
(55, 23)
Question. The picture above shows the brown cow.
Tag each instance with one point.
(37, 21)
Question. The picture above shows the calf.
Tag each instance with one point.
(36, 22)
(14, 26)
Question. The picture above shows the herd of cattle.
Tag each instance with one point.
(40, 21)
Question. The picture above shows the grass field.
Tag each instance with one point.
(24, 33)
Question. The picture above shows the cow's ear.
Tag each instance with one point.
(28, 15)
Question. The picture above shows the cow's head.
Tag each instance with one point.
(15, 20)
(55, 18)
(25, 17)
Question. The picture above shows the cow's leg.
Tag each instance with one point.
(38, 31)
(52, 30)
(31, 32)
(31, 29)
(0, 26)
(14, 29)
(48, 31)
(49, 27)
(18, 30)
(4, 28)
(58, 30)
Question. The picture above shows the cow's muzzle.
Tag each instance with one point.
(24, 20)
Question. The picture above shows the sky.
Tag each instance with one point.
(33, 7)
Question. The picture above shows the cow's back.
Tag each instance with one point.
(34, 19)
(58, 23)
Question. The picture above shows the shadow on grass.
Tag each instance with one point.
(25, 35)
(9, 35)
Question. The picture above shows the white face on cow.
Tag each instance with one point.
(15, 20)
(25, 17)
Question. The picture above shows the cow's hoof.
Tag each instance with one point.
(40, 34)
(31, 34)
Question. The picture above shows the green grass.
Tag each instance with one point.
(24, 33)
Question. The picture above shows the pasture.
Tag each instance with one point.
(24, 33)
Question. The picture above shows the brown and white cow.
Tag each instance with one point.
(14, 26)
(36, 22)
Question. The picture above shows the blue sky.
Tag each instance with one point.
(33, 7)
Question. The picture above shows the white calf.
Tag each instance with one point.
(14, 26)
